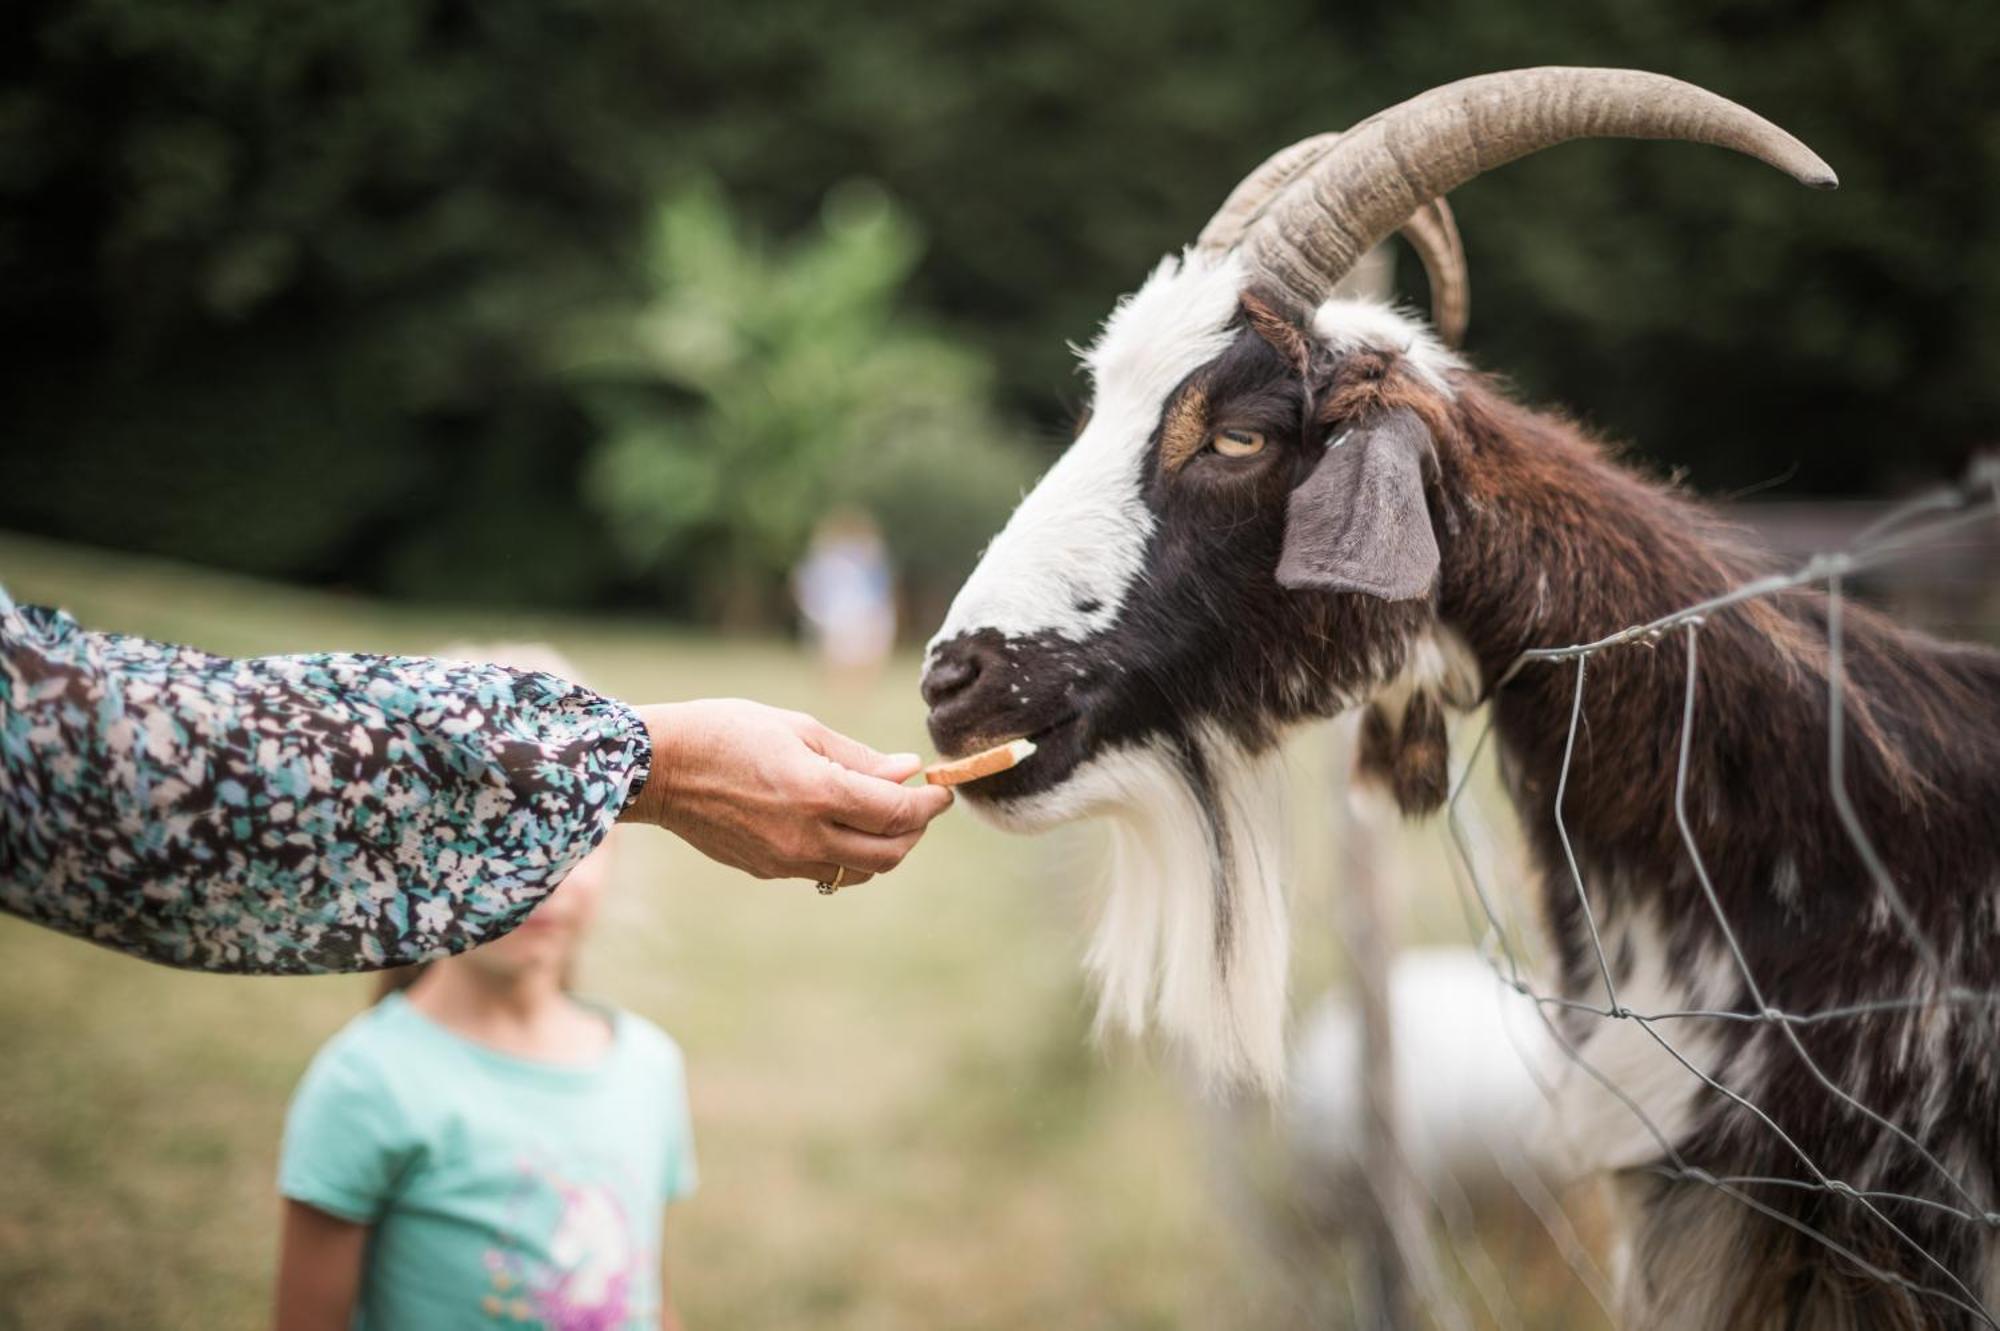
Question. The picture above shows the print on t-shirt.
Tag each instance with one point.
(586, 1283)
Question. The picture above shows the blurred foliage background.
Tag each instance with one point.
(590, 303)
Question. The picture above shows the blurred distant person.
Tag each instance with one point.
(847, 594)
(484, 1147)
(270, 815)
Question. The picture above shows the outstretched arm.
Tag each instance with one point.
(330, 812)
(291, 814)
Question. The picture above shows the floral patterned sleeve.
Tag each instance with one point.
(291, 814)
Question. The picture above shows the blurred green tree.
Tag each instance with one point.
(280, 275)
(752, 387)
(280, 268)
(1691, 301)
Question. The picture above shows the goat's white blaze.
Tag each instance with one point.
(1073, 549)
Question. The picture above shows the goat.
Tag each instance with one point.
(1286, 503)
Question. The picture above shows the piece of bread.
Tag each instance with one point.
(984, 763)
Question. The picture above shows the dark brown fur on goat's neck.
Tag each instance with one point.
(1546, 541)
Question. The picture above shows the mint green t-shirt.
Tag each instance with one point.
(502, 1192)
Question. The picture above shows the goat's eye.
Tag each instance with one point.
(1237, 443)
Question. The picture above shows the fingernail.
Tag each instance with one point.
(903, 759)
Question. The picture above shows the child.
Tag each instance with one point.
(484, 1149)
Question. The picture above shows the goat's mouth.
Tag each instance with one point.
(1057, 752)
(986, 689)
(1060, 746)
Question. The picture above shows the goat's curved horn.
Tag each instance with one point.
(1430, 230)
(1331, 204)
(1246, 202)
(1433, 234)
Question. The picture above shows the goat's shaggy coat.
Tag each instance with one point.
(1133, 619)
(1547, 542)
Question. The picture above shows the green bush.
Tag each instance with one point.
(753, 387)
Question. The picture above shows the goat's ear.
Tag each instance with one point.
(1359, 523)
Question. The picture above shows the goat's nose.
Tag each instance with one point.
(953, 672)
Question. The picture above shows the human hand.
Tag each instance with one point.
(778, 795)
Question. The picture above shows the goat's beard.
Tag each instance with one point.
(1194, 932)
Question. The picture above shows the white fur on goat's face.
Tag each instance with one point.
(1344, 325)
(1069, 556)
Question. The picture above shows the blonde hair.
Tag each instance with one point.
(538, 657)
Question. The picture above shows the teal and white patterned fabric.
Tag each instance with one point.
(291, 814)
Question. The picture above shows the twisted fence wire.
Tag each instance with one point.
(1907, 529)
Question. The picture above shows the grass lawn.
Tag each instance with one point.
(901, 1119)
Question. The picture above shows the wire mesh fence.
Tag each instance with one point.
(1943, 1286)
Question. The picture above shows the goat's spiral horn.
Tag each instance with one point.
(1306, 215)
